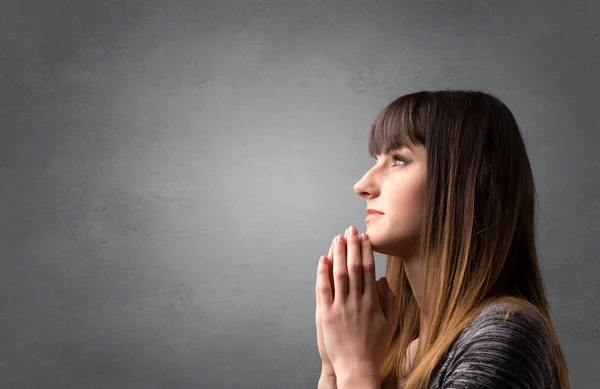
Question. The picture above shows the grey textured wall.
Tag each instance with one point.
(172, 170)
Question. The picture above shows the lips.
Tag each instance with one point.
(372, 216)
(374, 212)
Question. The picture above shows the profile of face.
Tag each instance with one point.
(396, 186)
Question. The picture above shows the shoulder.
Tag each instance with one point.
(500, 324)
(501, 348)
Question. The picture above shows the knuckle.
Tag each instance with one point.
(371, 308)
(328, 318)
(321, 287)
(369, 266)
(340, 273)
(355, 266)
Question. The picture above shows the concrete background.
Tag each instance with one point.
(172, 170)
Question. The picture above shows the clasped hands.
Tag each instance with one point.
(356, 315)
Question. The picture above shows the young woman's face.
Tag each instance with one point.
(395, 186)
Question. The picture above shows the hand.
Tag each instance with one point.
(326, 366)
(327, 371)
(357, 313)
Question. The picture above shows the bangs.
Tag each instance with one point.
(399, 124)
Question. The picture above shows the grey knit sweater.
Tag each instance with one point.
(491, 352)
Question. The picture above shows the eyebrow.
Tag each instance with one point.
(402, 146)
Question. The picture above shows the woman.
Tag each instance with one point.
(451, 200)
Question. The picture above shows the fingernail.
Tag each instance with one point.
(340, 239)
(353, 231)
(363, 237)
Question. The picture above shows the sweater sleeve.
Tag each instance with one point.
(516, 353)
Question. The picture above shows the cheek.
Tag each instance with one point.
(410, 203)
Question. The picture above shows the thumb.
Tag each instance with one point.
(384, 294)
(388, 300)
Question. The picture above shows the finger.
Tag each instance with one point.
(368, 264)
(323, 288)
(317, 302)
(330, 262)
(317, 308)
(330, 254)
(317, 305)
(355, 265)
(340, 271)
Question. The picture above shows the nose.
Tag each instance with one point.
(365, 187)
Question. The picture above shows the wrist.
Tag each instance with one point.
(327, 381)
(327, 371)
(355, 381)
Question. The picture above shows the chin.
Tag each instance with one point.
(381, 244)
(386, 244)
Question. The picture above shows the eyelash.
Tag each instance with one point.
(397, 157)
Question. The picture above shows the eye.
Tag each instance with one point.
(398, 158)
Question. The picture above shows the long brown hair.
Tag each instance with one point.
(477, 241)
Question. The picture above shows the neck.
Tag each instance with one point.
(412, 270)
